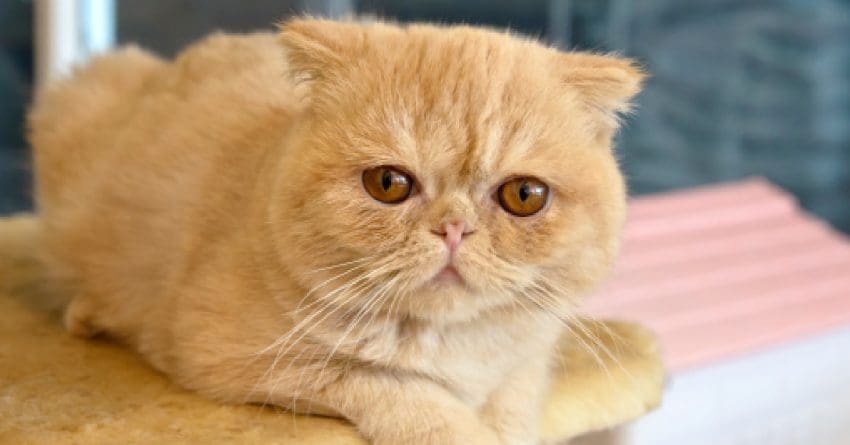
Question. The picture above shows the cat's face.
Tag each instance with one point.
(439, 172)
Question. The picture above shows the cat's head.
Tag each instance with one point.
(425, 147)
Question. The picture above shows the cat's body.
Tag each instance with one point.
(209, 213)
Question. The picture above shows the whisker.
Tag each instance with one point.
(552, 311)
(375, 299)
(589, 335)
(286, 343)
(336, 266)
(283, 342)
(574, 321)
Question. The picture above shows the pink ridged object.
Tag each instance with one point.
(726, 270)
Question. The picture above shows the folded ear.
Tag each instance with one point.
(604, 83)
(316, 47)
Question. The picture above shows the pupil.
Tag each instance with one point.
(523, 192)
(386, 180)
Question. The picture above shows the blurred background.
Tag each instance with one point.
(738, 87)
(748, 295)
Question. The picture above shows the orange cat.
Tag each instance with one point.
(379, 222)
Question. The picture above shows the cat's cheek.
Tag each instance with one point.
(525, 240)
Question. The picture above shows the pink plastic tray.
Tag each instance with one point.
(727, 270)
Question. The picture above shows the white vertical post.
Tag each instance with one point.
(55, 38)
(97, 21)
(67, 32)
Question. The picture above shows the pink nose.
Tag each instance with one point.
(452, 234)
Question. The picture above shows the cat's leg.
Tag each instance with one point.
(513, 410)
(391, 409)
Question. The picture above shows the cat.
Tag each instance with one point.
(380, 222)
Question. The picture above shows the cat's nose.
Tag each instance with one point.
(452, 234)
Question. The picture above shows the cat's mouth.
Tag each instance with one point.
(448, 275)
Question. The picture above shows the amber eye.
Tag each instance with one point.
(523, 196)
(387, 184)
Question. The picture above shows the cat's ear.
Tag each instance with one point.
(604, 83)
(317, 47)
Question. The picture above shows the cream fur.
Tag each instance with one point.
(56, 389)
(209, 213)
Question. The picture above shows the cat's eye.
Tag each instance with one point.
(387, 184)
(523, 196)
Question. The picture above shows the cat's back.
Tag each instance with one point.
(120, 104)
(130, 148)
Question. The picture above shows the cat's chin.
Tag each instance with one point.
(447, 285)
(448, 298)
(444, 304)
(448, 276)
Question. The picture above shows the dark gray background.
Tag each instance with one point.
(739, 87)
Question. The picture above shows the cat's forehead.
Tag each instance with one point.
(464, 125)
(455, 101)
(458, 106)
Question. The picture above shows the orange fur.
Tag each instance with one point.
(210, 213)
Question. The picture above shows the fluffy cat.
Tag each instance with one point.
(379, 222)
